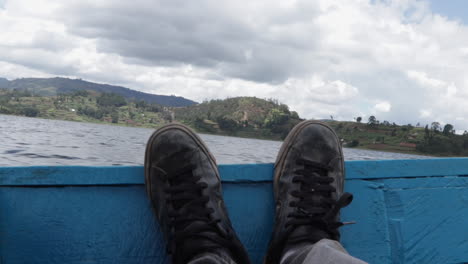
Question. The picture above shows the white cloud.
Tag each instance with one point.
(383, 107)
(326, 57)
(422, 78)
(425, 113)
(9, 69)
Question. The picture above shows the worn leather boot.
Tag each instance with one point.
(184, 186)
(308, 187)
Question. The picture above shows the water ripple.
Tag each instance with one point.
(54, 142)
(13, 151)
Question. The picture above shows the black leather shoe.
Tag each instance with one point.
(308, 188)
(184, 186)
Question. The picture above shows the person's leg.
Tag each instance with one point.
(212, 258)
(183, 184)
(308, 187)
(325, 251)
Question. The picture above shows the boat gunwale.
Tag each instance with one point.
(230, 173)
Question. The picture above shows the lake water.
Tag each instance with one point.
(32, 141)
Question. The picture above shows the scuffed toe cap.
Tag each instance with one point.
(170, 147)
(318, 141)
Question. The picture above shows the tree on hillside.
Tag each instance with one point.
(448, 129)
(115, 117)
(141, 104)
(284, 108)
(275, 117)
(294, 115)
(427, 134)
(359, 119)
(83, 93)
(31, 111)
(435, 127)
(111, 99)
(372, 121)
(227, 124)
(91, 112)
(154, 108)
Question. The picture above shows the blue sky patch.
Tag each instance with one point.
(453, 9)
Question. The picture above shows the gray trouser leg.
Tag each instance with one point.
(325, 251)
(212, 258)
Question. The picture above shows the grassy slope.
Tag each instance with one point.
(56, 86)
(255, 117)
(380, 137)
(129, 115)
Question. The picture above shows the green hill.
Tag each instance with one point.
(382, 137)
(56, 86)
(4, 83)
(386, 136)
(240, 116)
(84, 106)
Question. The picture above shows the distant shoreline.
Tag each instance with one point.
(149, 126)
(242, 116)
(152, 126)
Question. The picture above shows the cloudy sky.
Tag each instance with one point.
(404, 61)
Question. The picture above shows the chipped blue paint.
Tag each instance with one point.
(407, 211)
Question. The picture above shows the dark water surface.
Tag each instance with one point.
(33, 141)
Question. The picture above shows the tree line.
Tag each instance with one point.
(437, 139)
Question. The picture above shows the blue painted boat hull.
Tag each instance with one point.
(407, 211)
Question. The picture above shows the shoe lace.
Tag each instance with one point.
(190, 218)
(316, 206)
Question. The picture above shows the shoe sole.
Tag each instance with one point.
(286, 146)
(190, 133)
